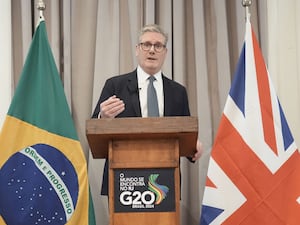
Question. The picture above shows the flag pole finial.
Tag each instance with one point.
(41, 6)
(247, 4)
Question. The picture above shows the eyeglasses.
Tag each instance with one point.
(146, 46)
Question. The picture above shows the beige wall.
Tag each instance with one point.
(284, 59)
(5, 58)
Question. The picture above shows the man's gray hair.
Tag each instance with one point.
(153, 28)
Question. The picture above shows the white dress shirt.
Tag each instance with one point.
(143, 85)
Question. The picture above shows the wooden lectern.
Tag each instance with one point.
(144, 156)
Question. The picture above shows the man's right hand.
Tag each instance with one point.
(111, 107)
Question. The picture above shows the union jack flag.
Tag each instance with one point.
(254, 170)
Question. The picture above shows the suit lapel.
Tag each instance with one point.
(167, 96)
(132, 86)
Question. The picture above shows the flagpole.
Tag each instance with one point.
(41, 7)
(247, 4)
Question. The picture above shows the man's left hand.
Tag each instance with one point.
(199, 151)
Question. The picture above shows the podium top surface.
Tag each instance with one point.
(100, 131)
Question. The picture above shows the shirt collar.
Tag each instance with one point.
(143, 76)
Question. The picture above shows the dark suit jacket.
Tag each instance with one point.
(125, 87)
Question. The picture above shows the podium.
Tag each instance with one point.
(144, 165)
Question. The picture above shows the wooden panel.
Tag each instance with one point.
(163, 218)
(144, 154)
(100, 131)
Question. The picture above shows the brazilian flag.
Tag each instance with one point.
(43, 171)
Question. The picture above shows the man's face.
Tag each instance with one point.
(151, 61)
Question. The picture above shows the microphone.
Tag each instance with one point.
(138, 90)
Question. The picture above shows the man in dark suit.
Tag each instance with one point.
(126, 95)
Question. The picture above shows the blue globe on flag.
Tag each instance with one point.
(38, 185)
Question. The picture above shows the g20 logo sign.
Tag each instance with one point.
(140, 190)
(137, 198)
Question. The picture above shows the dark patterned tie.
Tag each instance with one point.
(152, 99)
